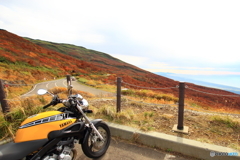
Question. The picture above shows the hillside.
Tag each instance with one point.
(23, 60)
(31, 60)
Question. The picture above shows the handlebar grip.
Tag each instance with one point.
(44, 107)
(88, 111)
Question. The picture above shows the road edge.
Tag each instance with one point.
(166, 142)
(172, 143)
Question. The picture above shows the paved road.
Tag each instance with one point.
(63, 83)
(119, 149)
(123, 150)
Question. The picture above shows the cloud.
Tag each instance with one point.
(188, 30)
(153, 66)
(180, 35)
(135, 60)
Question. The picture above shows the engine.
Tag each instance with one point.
(62, 153)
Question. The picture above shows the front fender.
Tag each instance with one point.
(88, 129)
(96, 121)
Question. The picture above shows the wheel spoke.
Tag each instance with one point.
(95, 147)
(91, 147)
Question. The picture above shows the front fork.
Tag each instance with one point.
(89, 122)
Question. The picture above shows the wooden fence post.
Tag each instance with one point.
(3, 101)
(119, 81)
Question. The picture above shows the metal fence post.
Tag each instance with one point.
(119, 81)
(179, 127)
(181, 105)
(3, 101)
(69, 84)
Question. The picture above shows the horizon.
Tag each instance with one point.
(229, 82)
(176, 36)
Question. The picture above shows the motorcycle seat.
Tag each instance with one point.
(15, 151)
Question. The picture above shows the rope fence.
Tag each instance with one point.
(180, 104)
(148, 87)
(181, 88)
(213, 93)
(191, 109)
(152, 88)
(7, 84)
(153, 104)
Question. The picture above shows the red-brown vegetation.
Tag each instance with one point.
(25, 60)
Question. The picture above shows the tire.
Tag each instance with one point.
(98, 148)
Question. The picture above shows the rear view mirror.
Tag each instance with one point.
(41, 91)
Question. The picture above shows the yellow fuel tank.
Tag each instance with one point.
(39, 125)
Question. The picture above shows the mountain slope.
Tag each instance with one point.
(102, 60)
(108, 64)
(31, 60)
(20, 56)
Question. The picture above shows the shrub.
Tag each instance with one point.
(82, 80)
(235, 125)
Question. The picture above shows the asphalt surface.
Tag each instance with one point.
(124, 150)
(63, 83)
(118, 149)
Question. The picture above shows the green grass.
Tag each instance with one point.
(25, 66)
(4, 60)
(10, 124)
(82, 80)
(227, 121)
(142, 120)
(25, 108)
(150, 94)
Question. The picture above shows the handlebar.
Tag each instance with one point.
(54, 101)
(48, 105)
(69, 102)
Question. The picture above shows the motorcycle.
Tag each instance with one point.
(52, 135)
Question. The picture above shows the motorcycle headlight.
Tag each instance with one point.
(84, 103)
(79, 97)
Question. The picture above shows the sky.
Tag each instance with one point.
(185, 37)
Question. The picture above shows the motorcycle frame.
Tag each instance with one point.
(55, 137)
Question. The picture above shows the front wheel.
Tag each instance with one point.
(94, 147)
